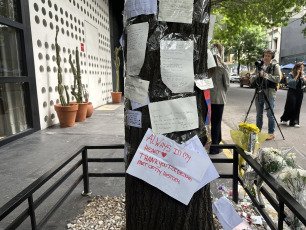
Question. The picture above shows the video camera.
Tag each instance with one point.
(259, 65)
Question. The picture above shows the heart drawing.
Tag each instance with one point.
(164, 154)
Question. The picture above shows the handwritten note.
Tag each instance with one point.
(176, 11)
(210, 59)
(137, 35)
(204, 83)
(176, 59)
(211, 172)
(134, 118)
(168, 166)
(136, 105)
(134, 8)
(136, 89)
(174, 115)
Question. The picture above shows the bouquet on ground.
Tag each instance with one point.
(249, 138)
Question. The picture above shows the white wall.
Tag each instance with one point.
(79, 21)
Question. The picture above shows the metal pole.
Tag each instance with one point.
(272, 37)
(32, 212)
(235, 176)
(281, 214)
(86, 191)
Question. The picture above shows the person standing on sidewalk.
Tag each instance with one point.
(220, 77)
(266, 84)
(296, 84)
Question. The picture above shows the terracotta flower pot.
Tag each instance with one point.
(116, 97)
(82, 111)
(90, 109)
(66, 114)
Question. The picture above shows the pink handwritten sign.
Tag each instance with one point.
(168, 166)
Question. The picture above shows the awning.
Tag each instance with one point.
(288, 66)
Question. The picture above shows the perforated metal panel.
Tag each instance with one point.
(79, 21)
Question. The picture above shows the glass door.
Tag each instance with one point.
(18, 97)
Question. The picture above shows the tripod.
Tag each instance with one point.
(257, 91)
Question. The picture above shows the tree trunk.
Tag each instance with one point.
(146, 206)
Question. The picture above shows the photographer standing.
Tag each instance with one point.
(266, 80)
(296, 83)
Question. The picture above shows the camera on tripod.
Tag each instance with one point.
(259, 65)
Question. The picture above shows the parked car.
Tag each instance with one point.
(245, 80)
(234, 78)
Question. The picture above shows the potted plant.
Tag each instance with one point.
(66, 113)
(116, 96)
(77, 88)
(89, 104)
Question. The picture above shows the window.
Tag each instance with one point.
(18, 96)
(275, 44)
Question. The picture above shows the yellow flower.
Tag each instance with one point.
(242, 125)
(248, 128)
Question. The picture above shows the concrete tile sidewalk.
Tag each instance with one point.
(25, 160)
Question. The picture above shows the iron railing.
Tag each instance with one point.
(283, 197)
(27, 193)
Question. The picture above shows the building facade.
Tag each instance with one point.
(293, 42)
(28, 69)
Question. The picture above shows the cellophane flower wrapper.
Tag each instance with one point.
(241, 139)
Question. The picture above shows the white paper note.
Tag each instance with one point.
(256, 220)
(176, 58)
(137, 35)
(136, 105)
(168, 166)
(204, 84)
(174, 115)
(134, 118)
(210, 60)
(133, 8)
(211, 172)
(175, 11)
(243, 226)
(226, 213)
(136, 89)
(212, 22)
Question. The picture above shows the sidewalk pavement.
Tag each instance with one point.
(28, 158)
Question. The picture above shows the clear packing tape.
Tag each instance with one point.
(200, 15)
(181, 37)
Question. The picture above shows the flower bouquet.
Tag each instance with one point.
(249, 138)
(294, 179)
(271, 161)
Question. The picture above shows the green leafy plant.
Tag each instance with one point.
(61, 88)
(117, 65)
(77, 89)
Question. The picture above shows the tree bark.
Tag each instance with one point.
(146, 206)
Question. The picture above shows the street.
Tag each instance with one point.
(238, 102)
